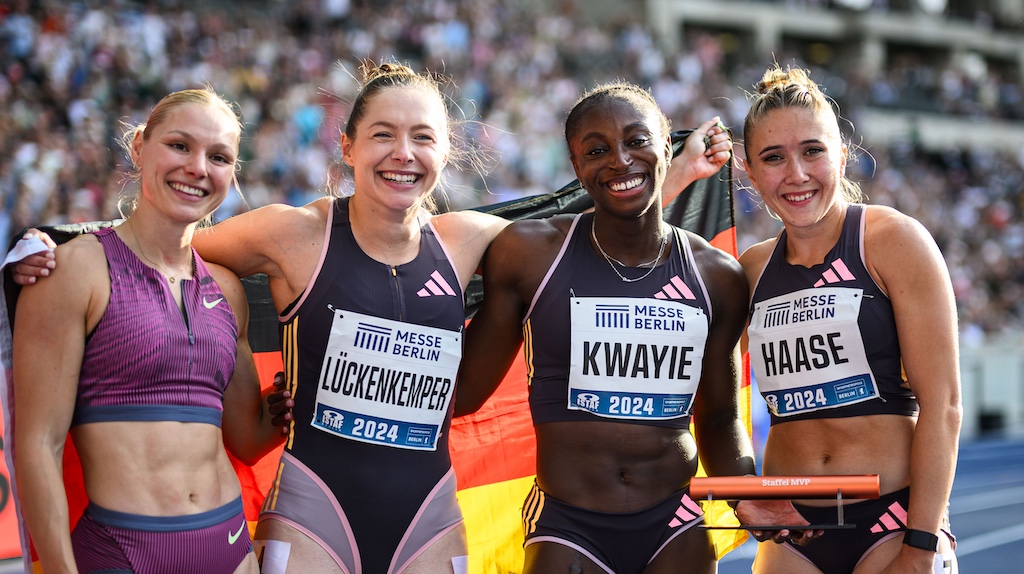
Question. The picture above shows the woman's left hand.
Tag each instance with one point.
(281, 404)
(704, 153)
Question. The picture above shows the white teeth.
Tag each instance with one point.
(188, 189)
(800, 197)
(627, 185)
(398, 177)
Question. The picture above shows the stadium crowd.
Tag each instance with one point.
(73, 71)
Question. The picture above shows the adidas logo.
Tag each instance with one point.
(675, 289)
(893, 519)
(436, 286)
(836, 273)
(688, 511)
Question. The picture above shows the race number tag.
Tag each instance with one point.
(638, 359)
(386, 382)
(807, 352)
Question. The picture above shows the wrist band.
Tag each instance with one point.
(921, 539)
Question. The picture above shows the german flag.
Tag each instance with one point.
(493, 450)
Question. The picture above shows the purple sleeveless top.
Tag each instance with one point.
(145, 360)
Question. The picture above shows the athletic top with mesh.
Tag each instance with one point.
(579, 271)
(379, 487)
(876, 321)
(145, 360)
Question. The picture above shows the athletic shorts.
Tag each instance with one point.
(878, 520)
(211, 542)
(305, 502)
(618, 542)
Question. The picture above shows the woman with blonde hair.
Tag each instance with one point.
(138, 347)
(853, 340)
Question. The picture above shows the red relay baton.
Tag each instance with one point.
(856, 486)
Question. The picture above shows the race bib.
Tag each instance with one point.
(386, 382)
(807, 352)
(637, 359)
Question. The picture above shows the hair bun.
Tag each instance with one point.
(778, 79)
(373, 71)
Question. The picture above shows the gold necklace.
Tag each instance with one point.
(653, 264)
(160, 268)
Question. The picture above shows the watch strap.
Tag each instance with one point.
(921, 539)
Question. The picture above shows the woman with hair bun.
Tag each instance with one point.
(370, 294)
(853, 340)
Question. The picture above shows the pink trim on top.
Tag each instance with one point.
(696, 271)
(863, 250)
(551, 270)
(447, 254)
(319, 265)
(337, 508)
(450, 475)
(753, 288)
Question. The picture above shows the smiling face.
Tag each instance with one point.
(796, 160)
(620, 153)
(186, 161)
(399, 147)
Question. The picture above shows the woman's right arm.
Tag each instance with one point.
(513, 268)
(49, 338)
(281, 241)
(25, 271)
(495, 333)
(261, 240)
(247, 243)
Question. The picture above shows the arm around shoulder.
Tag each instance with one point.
(467, 235)
(263, 240)
(494, 335)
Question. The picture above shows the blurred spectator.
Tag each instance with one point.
(70, 71)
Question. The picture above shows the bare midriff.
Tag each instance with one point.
(876, 444)
(155, 468)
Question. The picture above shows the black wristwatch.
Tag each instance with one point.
(921, 539)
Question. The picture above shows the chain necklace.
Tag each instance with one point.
(160, 268)
(653, 264)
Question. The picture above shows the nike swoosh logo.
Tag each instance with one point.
(232, 538)
(211, 304)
